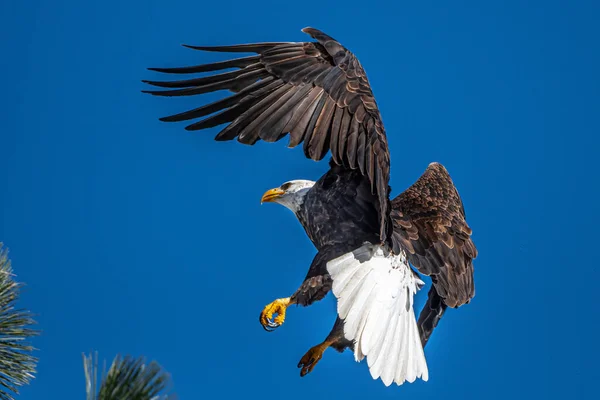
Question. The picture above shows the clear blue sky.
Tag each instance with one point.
(135, 236)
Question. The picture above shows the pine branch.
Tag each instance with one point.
(128, 378)
(17, 365)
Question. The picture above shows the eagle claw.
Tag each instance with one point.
(278, 307)
(271, 326)
(311, 358)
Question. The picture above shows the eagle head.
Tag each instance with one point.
(290, 194)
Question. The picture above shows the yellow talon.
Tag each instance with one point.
(278, 307)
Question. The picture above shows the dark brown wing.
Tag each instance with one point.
(316, 91)
(429, 223)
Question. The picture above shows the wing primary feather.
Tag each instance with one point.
(275, 101)
(216, 66)
(336, 132)
(220, 104)
(310, 127)
(273, 127)
(243, 79)
(298, 128)
(256, 115)
(343, 136)
(351, 143)
(222, 117)
(239, 48)
(319, 143)
(232, 130)
(301, 109)
(233, 112)
(223, 77)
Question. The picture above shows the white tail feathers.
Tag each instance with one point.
(375, 292)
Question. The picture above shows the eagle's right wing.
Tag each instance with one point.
(317, 92)
(429, 224)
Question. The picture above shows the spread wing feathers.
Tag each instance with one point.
(429, 224)
(375, 292)
(316, 91)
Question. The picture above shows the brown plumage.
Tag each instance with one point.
(316, 91)
(319, 95)
(429, 223)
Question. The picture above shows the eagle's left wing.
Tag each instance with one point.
(430, 225)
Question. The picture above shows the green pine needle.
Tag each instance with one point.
(128, 378)
(17, 365)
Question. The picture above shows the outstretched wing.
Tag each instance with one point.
(429, 223)
(316, 91)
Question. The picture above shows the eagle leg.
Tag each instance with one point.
(318, 283)
(315, 286)
(279, 307)
(335, 339)
(312, 357)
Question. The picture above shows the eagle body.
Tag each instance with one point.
(347, 214)
(374, 286)
(317, 94)
(339, 214)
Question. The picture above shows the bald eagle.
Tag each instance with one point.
(318, 93)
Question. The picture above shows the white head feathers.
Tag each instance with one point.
(290, 194)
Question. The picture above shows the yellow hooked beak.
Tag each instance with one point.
(271, 195)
